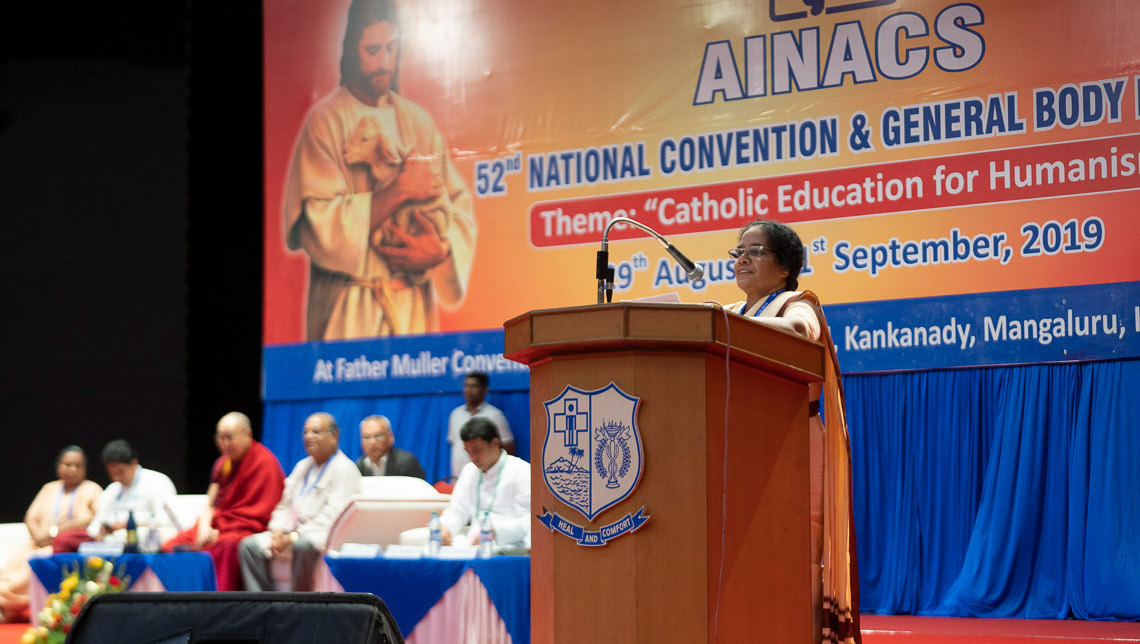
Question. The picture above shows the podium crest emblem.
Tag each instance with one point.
(592, 455)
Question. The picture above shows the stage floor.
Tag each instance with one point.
(904, 629)
(887, 629)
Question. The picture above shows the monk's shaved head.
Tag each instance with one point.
(234, 435)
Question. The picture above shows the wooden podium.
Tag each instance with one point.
(665, 582)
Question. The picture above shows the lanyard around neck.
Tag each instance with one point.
(307, 487)
(763, 306)
(123, 489)
(494, 493)
(71, 507)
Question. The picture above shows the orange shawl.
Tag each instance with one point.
(840, 567)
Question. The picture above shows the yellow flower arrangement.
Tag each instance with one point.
(94, 576)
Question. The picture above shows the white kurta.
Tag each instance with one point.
(312, 499)
(145, 497)
(504, 490)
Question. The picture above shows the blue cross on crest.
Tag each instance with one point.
(571, 421)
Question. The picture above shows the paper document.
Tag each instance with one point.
(670, 297)
(402, 551)
(357, 550)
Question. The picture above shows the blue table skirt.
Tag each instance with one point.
(410, 587)
(179, 571)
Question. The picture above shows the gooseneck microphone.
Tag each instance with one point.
(605, 274)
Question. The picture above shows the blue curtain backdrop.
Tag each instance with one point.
(419, 422)
(1000, 492)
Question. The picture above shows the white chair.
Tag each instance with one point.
(183, 509)
(386, 506)
(414, 536)
(12, 537)
(396, 488)
(380, 522)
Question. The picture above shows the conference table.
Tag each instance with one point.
(484, 601)
(178, 571)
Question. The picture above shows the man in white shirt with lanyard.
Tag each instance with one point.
(318, 488)
(475, 404)
(134, 489)
(493, 481)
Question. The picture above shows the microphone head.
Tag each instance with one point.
(603, 264)
(697, 272)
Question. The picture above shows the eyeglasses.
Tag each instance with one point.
(224, 437)
(752, 252)
(314, 432)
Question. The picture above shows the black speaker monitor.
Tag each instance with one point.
(234, 618)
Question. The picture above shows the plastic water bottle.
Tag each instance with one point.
(435, 538)
(486, 536)
(132, 544)
(153, 541)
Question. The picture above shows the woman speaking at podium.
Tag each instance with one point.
(769, 256)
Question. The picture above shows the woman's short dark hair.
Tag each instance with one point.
(118, 451)
(67, 450)
(785, 245)
(479, 427)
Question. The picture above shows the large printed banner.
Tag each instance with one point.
(440, 167)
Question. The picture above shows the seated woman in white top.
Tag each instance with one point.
(63, 505)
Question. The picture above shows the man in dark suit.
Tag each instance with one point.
(380, 458)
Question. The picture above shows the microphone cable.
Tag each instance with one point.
(724, 471)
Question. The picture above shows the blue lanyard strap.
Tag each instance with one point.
(71, 508)
(772, 296)
(306, 487)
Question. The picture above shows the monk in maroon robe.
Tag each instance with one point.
(245, 485)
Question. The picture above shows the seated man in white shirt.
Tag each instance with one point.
(493, 481)
(134, 490)
(318, 488)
